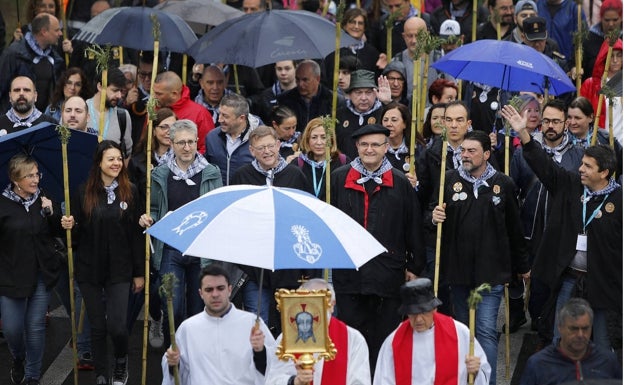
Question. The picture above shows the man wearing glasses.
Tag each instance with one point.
(184, 177)
(269, 168)
(382, 200)
(534, 200)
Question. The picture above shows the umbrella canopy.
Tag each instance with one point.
(200, 14)
(266, 37)
(132, 27)
(42, 143)
(506, 65)
(267, 227)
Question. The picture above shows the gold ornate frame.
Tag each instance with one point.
(300, 342)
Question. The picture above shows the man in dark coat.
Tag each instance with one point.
(23, 113)
(268, 167)
(310, 98)
(34, 56)
(383, 201)
(482, 238)
(582, 256)
(362, 108)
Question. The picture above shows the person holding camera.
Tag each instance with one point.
(29, 267)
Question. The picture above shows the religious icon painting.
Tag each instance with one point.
(305, 325)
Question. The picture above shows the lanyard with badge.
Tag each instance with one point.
(581, 241)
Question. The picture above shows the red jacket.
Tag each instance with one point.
(185, 108)
(591, 86)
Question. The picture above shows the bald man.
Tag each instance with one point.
(170, 92)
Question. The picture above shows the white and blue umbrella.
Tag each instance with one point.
(267, 227)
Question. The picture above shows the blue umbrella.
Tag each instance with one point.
(132, 27)
(266, 37)
(267, 227)
(42, 143)
(506, 65)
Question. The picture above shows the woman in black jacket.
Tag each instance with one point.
(109, 254)
(28, 267)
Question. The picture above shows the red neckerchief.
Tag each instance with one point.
(351, 182)
(335, 371)
(446, 355)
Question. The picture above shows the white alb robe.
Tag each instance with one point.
(423, 359)
(217, 350)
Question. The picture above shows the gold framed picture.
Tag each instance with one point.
(304, 317)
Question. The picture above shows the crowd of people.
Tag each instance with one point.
(554, 221)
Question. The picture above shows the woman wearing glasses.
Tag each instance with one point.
(29, 267)
(109, 255)
(73, 82)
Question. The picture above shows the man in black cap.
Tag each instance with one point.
(441, 353)
(382, 200)
(362, 107)
(535, 35)
(428, 347)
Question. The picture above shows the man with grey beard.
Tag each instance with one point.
(23, 113)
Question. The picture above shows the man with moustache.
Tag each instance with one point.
(117, 123)
(23, 113)
(492, 251)
(75, 115)
(504, 9)
(554, 139)
(34, 56)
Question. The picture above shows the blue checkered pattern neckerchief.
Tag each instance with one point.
(377, 105)
(456, 155)
(480, 181)
(368, 175)
(607, 190)
(41, 53)
(270, 174)
(199, 163)
(26, 122)
(12, 195)
(402, 149)
(291, 141)
(110, 191)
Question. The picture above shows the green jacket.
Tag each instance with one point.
(210, 180)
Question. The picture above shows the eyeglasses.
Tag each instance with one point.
(372, 145)
(392, 79)
(37, 175)
(144, 74)
(269, 147)
(73, 84)
(555, 122)
(184, 143)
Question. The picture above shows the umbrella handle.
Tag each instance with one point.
(259, 296)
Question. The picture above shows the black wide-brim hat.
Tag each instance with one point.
(417, 297)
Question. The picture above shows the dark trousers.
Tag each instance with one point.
(107, 308)
(375, 317)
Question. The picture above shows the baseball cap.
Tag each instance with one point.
(450, 27)
(525, 4)
(534, 28)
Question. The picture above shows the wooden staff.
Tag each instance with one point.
(475, 4)
(415, 106)
(169, 281)
(436, 273)
(603, 81)
(151, 115)
(64, 135)
(235, 70)
(578, 41)
(64, 20)
(473, 301)
(389, 27)
(507, 341)
(184, 69)
(516, 103)
(102, 56)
